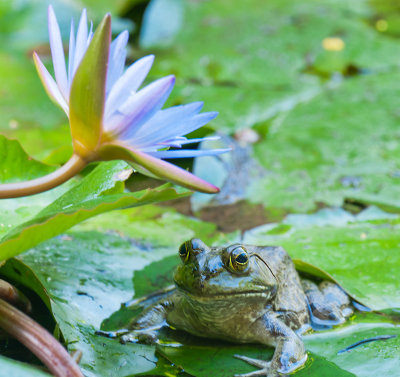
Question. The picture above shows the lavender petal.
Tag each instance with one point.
(127, 84)
(81, 40)
(183, 153)
(116, 60)
(71, 54)
(140, 107)
(162, 132)
(49, 84)
(57, 53)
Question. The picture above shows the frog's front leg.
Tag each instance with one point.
(289, 348)
(144, 328)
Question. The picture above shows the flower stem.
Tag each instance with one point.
(14, 190)
(38, 340)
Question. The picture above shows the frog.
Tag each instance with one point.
(244, 294)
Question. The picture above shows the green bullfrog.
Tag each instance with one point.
(244, 294)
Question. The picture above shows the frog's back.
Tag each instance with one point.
(290, 301)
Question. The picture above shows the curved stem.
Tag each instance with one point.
(38, 340)
(14, 190)
(14, 296)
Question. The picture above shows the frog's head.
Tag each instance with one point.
(235, 271)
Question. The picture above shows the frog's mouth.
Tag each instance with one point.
(261, 292)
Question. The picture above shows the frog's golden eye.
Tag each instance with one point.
(239, 259)
(184, 251)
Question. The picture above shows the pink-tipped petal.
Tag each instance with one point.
(49, 84)
(158, 168)
(57, 53)
(88, 92)
(128, 83)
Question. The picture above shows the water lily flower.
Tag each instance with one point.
(110, 116)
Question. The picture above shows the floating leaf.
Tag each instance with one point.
(99, 192)
(353, 254)
(11, 367)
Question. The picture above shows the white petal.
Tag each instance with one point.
(71, 55)
(116, 61)
(57, 53)
(49, 84)
(90, 35)
(179, 141)
(188, 153)
(81, 40)
(129, 82)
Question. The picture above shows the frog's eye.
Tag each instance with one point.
(184, 251)
(238, 259)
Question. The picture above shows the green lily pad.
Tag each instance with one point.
(25, 222)
(218, 360)
(353, 254)
(9, 367)
(84, 287)
(155, 226)
(24, 102)
(347, 149)
(365, 359)
(249, 61)
(202, 357)
(16, 165)
(89, 274)
(52, 221)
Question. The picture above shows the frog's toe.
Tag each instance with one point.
(129, 338)
(256, 362)
(136, 336)
(265, 367)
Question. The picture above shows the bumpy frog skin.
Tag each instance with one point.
(244, 294)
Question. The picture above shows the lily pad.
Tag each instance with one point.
(353, 254)
(61, 208)
(88, 275)
(250, 60)
(347, 149)
(11, 367)
(85, 287)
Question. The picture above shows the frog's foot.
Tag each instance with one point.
(140, 336)
(328, 304)
(265, 367)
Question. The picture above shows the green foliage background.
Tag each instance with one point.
(322, 178)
